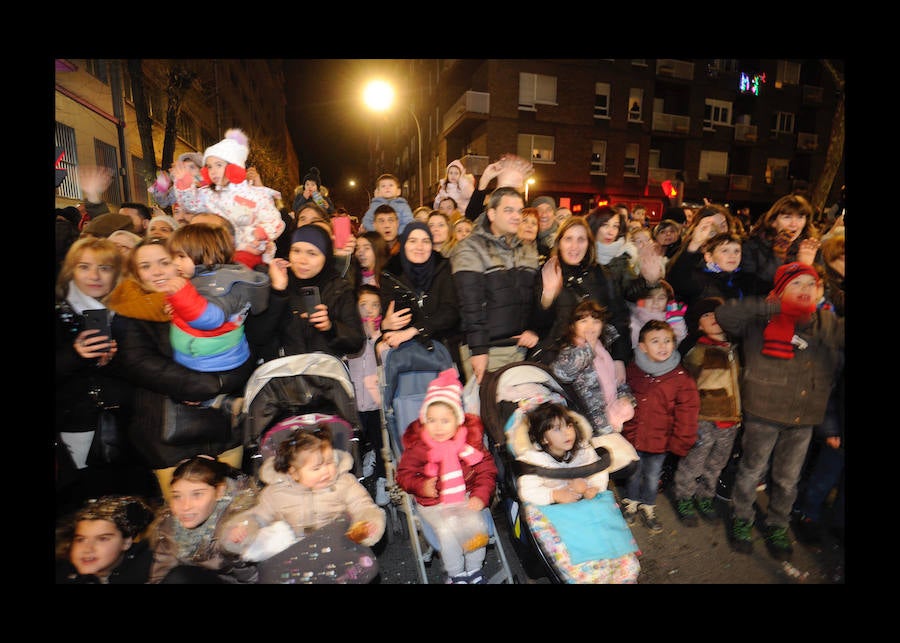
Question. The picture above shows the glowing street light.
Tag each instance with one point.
(528, 183)
(378, 95)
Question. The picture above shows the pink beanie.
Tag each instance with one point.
(447, 389)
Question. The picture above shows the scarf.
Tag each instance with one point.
(606, 252)
(131, 300)
(778, 334)
(606, 372)
(443, 460)
(81, 302)
(656, 368)
(419, 274)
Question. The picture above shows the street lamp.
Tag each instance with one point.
(528, 183)
(379, 96)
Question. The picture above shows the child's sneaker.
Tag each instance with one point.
(381, 497)
(629, 510)
(706, 507)
(684, 507)
(778, 543)
(741, 538)
(648, 516)
(476, 578)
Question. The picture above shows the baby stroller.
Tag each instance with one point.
(538, 531)
(299, 390)
(404, 375)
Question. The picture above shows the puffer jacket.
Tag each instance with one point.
(496, 287)
(437, 316)
(794, 391)
(307, 509)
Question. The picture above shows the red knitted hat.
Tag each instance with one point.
(790, 271)
(444, 388)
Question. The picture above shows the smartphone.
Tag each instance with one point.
(97, 318)
(310, 297)
(341, 227)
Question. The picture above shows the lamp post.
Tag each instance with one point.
(379, 96)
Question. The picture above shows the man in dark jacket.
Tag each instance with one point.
(495, 283)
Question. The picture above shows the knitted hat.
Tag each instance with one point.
(447, 389)
(790, 271)
(233, 148)
(314, 234)
(699, 308)
(193, 157)
(130, 514)
(544, 199)
(106, 224)
(313, 175)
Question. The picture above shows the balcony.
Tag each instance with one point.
(740, 182)
(656, 175)
(812, 95)
(471, 108)
(744, 133)
(671, 68)
(671, 123)
(807, 142)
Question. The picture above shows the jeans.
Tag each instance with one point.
(643, 484)
(786, 446)
(826, 473)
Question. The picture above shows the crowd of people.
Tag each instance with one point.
(713, 343)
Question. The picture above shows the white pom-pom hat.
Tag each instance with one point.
(233, 148)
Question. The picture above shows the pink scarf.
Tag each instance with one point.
(443, 459)
(606, 372)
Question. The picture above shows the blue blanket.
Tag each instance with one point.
(591, 529)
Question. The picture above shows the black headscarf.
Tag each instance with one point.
(419, 274)
(316, 235)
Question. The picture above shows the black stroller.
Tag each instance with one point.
(505, 394)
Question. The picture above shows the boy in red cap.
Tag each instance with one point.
(791, 353)
(452, 475)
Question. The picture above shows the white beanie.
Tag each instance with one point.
(447, 389)
(233, 148)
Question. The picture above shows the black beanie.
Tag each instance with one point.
(316, 235)
(313, 175)
(699, 308)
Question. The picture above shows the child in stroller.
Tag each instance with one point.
(571, 540)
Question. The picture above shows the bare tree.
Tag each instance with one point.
(142, 113)
(179, 81)
(835, 152)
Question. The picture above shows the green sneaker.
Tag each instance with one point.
(706, 507)
(684, 507)
(778, 543)
(741, 540)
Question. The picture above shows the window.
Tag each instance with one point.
(65, 138)
(776, 169)
(138, 185)
(712, 163)
(716, 112)
(598, 157)
(724, 64)
(187, 128)
(632, 154)
(783, 122)
(536, 89)
(788, 73)
(601, 100)
(639, 62)
(635, 99)
(537, 148)
(106, 157)
(98, 69)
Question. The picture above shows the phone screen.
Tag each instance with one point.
(341, 227)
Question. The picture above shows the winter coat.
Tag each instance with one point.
(716, 367)
(794, 391)
(460, 192)
(665, 418)
(692, 280)
(146, 359)
(480, 478)
(759, 262)
(210, 553)
(306, 509)
(282, 321)
(401, 207)
(437, 316)
(300, 201)
(594, 282)
(495, 285)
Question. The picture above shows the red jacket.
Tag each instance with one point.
(480, 478)
(665, 418)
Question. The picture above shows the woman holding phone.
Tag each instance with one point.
(87, 386)
(299, 324)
